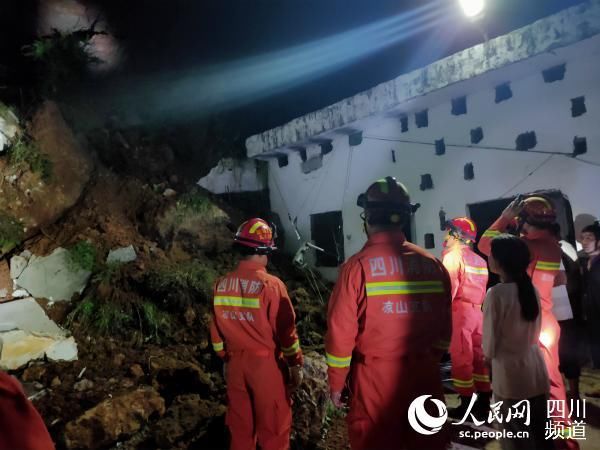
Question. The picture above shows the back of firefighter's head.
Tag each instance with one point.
(255, 239)
(460, 230)
(538, 213)
(386, 205)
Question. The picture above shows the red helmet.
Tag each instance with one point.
(257, 234)
(538, 210)
(387, 199)
(464, 227)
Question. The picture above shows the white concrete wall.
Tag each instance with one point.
(233, 175)
(535, 106)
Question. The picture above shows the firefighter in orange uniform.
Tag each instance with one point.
(468, 275)
(389, 321)
(254, 330)
(536, 217)
(21, 426)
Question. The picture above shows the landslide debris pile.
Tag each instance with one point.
(145, 375)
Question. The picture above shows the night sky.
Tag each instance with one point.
(166, 38)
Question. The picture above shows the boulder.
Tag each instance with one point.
(114, 419)
(33, 199)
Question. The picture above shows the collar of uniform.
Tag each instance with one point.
(386, 237)
(251, 265)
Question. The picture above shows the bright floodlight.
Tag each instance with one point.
(472, 8)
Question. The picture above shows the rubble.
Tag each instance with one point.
(310, 401)
(113, 419)
(188, 414)
(6, 284)
(53, 276)
(9, 126)
(121, 255)
(28, 334)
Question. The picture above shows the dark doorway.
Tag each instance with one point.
(327, 232)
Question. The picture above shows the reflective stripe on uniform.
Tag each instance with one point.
(292, 349)
(491, 233)
(404, 287)
(476, 270)
(222, 300)
(338, 361)
(217, 346)
(462, 383)
(481, 378)
(547, 265)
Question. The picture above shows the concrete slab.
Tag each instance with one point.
(52, 277)
(17, 265)
(27, 315)
(20, 347)
(122, 255)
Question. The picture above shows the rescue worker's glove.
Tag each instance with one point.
(296, 377)
(336, 399)
(513, 209)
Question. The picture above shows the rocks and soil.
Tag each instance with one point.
(138, 267)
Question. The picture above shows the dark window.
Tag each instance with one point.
(429, 240)
(476, 135)
(327, 232)
(303, 156)
(282, 160)
(469, 172)
(578, 106)
(459, 106)
(422, 119)
(404, 124)
(440, 147)
(579, 145)
(426, 182)
(326, 147)
(555, 73)
(526, 141)
(503, 92)
(355, 139)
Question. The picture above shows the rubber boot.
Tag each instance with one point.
(481, 409)
(460, 410)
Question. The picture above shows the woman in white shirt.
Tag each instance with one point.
(511, 331)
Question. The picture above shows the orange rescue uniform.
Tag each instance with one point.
(545, 264)
(253, 325)
(389, 321)
(468, 275)
(21, 426)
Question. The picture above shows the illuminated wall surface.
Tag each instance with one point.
(548, 103)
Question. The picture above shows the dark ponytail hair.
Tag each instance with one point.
(513, 257)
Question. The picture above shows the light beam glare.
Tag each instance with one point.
(233, 84)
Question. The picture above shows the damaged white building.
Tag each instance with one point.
(515, 114)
